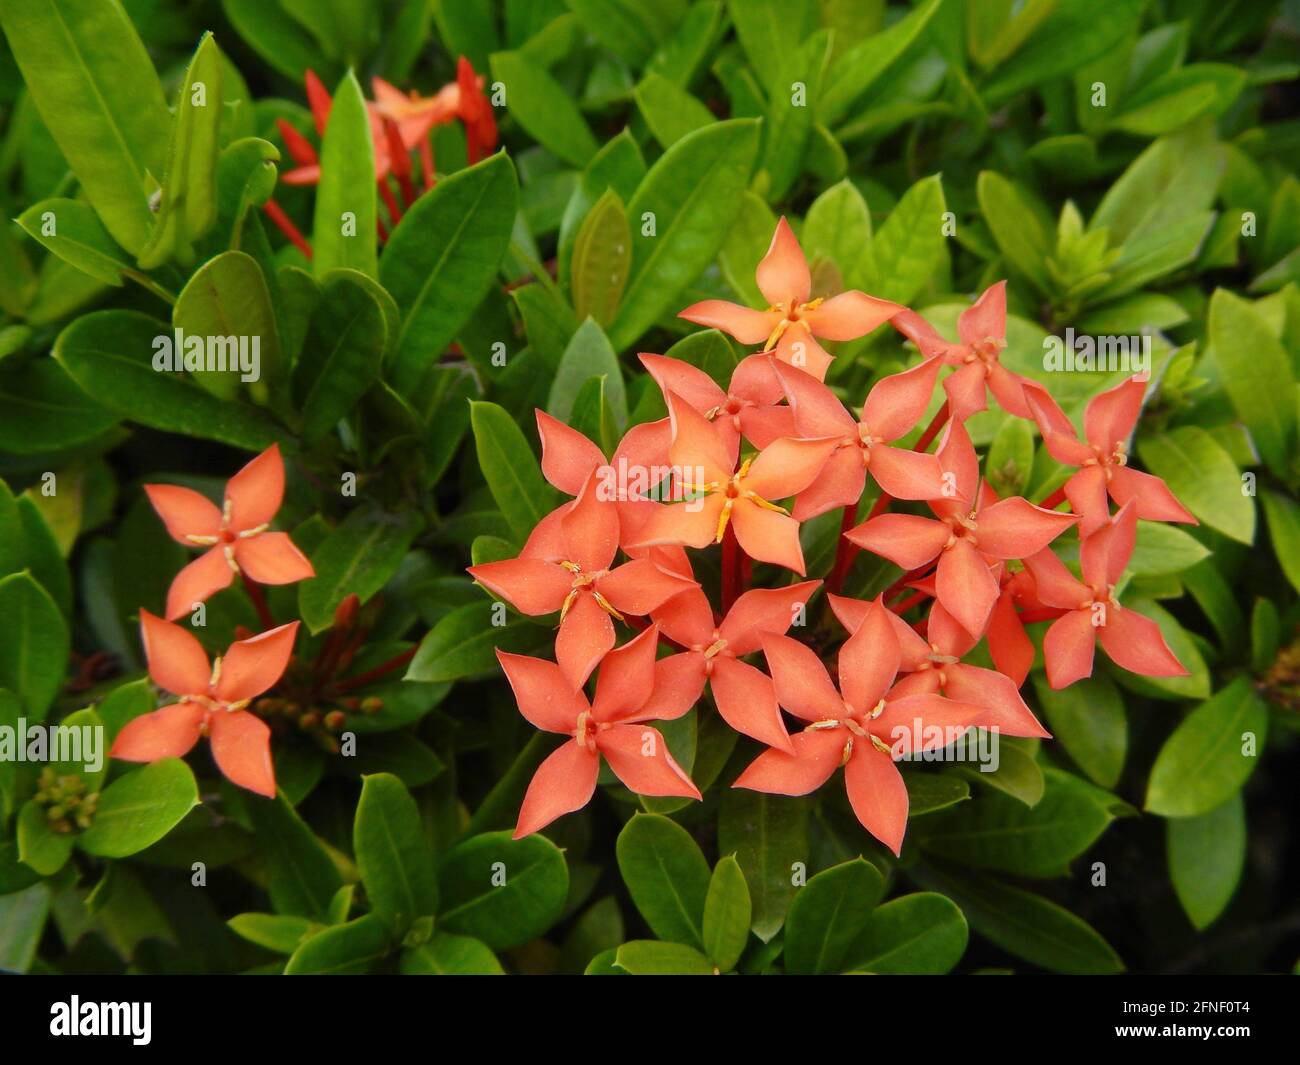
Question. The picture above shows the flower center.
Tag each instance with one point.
(585, 581)
(986, 351)
(789, 312)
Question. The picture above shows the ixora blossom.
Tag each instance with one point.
(861, 726)
(892, 409)
(744, 694)
(611, 726)
(743, 496)
(565, 566)
(213, 701)
(1092, 612)
(971, 530)
(1108, 422)
(236, 535)
(977, 358)
(791, 321)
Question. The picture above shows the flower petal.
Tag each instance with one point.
(1054, 585)
(1155, 502)
(547, 699)
(1087, 491)
(788, 466)
(907, 540)
(1010, 647)
(177, 661)
(1009, 390)
(645, 446)
(252, 666)
(840, 484)
(817, 410)
(564, 782)
(528, 584)
(919, 722)
(1135, 642)
(272, 558)
(585, 637)
(590, 529)
(697, 450)
(1110, 416)
(767, 536)
(689, 382)
(906, 474)
(745, 324)
(639, 586)
(965, 587)
(754, 380)
(204, 577)
(782, 274)
(256, 491)
(1014, 528)
(897, 402)
(626, 678)
(678, 684)
(184, 511)
(762, 612)
(816, 754)
(1063, 443)
(167, 733)
(546, 542)
(797, 348)
(1104, 555)
(802, 684)
(241, 747)
(869, 660)
(849, 315)
(686, 618)
(946, 634)
(639, 757)
(693, 523)
(965, 388)
(920, 332)
(957, 457)
(746, 699)
(568, 457)
(1068, 648)
(998, 694)
(986, 319)
(877, 794)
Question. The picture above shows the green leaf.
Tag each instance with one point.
(34, 652)
(921, 934)
(768, 834)
(602, 256)
(1010, 460)
(22, 923)
(1203, 477)
(910, 245)
(187, 208)
(227, 298)
(449, 955)
(395, 861)
(1283, 514)
(860, 67)
(302, 878)
(1256, 374)
(344, 227)
(513, 473)
(828, 914)
(1018, 227)
(539, 104)
(273, 932)
(618, 166)
(1210, 755)
(42, 409)
(588, 355)
(96, 90)
(441, 260)
(343, 354)
(1025, 924)
(39, 846)
(667, 877)
(727, 914)
(689, 197)
(356, 558)
(1207, 854)
(650, 957)
(502, 891)
(110, 355)
(1089, 721)
(838, 228)
(464, 643)
(73, 232)
(137, 810)
(669, 110)
(342, 950)
(788, 123)
(1164, 549)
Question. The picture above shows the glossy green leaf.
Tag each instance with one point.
(860, 67)
(464, 643)
(344, 229)
(828, 914)
(650, 957)
(1088, 719)
(279, 933)
(669, 110)
(667, 877)
(539, 104)
(920, 934)
(602, 256)
(1207, 854)
(34, 653)
(302, 877)
(768, 835)
(1203, 477)
(72, 231)
(341, 950)
(40, 847)
(909, 247)
(588, 355)
(450, 955)
(727, 914)
(512, 471)
(356, 558)
(394, 859)
(137, 810)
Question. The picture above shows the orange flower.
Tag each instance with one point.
(610, 727)
(791, 320)
(212, 701)
(722, 493)
(236, 535)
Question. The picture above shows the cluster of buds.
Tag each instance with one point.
(67, 803)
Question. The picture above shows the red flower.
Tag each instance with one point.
(892, 409)
(1132, 641)
(983, 332)
(791, 320)
(971, 530)
(236, 535)
(212, 701)
(1108, 422)
(565, 566)
(744, 695)
(611, 727)
(703, 467)
(862, 729)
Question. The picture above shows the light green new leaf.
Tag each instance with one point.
(727, 913)
(602, 257)
(512, 471)
(450, 955)
(72, 230)
(650, 957)
(669, 110)
(341, 950)
(539, 103)
(588, 355)
(909, 247)
(140, 808)
(344, 227)
(1204, 478)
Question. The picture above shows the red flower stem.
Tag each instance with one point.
(259, 601)
(909, 602)
(381, 670)
(282, 222)
(845, 551)
(426, 162)
(390, 201)
(730, 568)
(940, 420)
(911, 575)
(383, 230)
(1053, 500)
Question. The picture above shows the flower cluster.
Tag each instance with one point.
(743, 467)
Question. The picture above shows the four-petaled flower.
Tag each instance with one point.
(861, 726)
(213, 701)
(1108, 423)
(791, 320)
(1132, 641)
(612, 726)
(236, 534)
